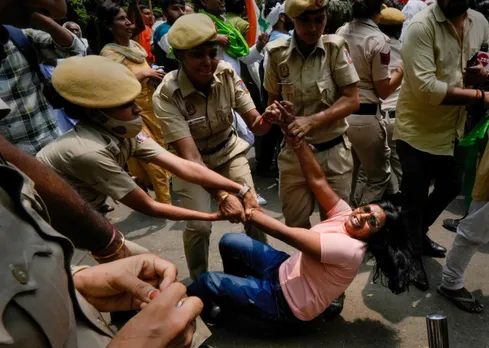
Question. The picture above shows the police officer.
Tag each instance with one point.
(195, 105)
(92, 156)
(316, 74)
(370, 52)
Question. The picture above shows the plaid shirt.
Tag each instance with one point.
(31, 124)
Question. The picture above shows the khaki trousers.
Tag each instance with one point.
(196, 234)
(297, 199)
(371, 153)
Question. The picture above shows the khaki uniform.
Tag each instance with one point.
(148, 173)
(39, 306)
(312, 84)
(370, 52)
(186, 112)
(92, 160)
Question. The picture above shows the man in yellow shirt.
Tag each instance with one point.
(431, 114)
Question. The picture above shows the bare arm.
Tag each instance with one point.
(300, 238)
(386, 87)
(138, 200)
(70, 214)
(194, 170)
(255, 122)
(135, 16)
(232, 208)
(461, 96)
(59, 34)
(347, 103)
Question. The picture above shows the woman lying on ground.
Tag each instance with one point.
(263, 282)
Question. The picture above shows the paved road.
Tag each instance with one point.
(372, 317)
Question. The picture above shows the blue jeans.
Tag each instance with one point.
(250, 282)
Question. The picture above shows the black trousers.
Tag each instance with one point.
(420, 208)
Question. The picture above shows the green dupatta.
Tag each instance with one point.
(237, 43)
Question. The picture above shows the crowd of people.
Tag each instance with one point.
(378, 116)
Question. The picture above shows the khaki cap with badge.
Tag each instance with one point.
(391, 16)
(294, 8)
(95, 82)
(191, 30)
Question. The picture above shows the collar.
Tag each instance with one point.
(366, 21)
(295, 45)
(440, 16)
(187, 87)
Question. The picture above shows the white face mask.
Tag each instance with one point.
(124, 129)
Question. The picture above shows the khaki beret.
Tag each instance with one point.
(95, 82)
(391, 16)
(294, 8)
(191, 30)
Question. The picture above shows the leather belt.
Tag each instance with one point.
(328, 144)
(367, 109)
(213, 150)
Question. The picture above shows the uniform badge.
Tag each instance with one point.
(348, 57)
(190, 109)
(284, 70)
(319, 3)
(385, 58)
(243, 86)
(142, 136)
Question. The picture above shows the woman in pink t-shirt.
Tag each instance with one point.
(267, 283)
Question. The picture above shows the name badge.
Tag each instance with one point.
(196, 120)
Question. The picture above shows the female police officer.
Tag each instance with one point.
(370, 52)
(91, 156)
(316, 74)
(195, 106)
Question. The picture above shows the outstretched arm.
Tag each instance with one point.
(300, 238)
(195, 173)
(138, 200)
(313, 173)
(70, 214)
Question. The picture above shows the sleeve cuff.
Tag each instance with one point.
(76, 269)
(174, 136)
(438, 93)
(246, 108)
(345, 76)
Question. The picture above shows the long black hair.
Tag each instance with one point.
(391, 250)
(106, 13)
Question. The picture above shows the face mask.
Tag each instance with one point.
(124, 129)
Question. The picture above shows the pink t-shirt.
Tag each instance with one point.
(310, 286)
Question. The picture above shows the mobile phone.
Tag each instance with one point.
(472, 60)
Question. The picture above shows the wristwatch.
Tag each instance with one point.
(243, 191)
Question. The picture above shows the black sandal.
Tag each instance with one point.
(461, 301)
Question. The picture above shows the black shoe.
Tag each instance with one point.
(451, 224)
(433, 249)
(418, 275)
